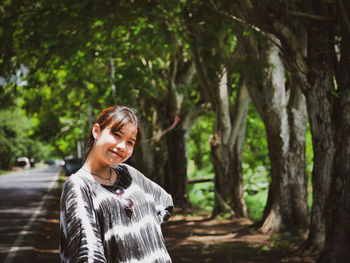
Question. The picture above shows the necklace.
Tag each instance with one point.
(110, 180)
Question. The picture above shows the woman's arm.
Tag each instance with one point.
(163, 201)
(80, 239)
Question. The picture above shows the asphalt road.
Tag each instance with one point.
(24, 200)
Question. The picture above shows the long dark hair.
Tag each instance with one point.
(119, 116)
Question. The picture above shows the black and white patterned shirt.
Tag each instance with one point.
(121, 223)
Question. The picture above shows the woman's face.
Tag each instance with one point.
(114, 148)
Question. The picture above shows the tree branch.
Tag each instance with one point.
(254, 27)
(190, 118)
(196, 181)
(244, 22)
(203, 79)
(241, 109)
(310, 16)
(344, 15)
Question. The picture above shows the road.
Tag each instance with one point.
(24, 199)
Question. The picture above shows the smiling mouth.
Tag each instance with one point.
(117, 154)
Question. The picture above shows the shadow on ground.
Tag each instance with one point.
(47, 243)
(201, 239)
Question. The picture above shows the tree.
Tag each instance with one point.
(15, 138)
(83, 51)
(212, 49)
(180, 78)
(283, 111)
(315, 63)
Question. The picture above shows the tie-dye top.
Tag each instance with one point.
(120, 223)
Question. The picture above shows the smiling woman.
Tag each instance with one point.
(110, 212)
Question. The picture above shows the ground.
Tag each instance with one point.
(197, 239)
(202, 239)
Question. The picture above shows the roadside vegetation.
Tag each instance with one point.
(244, 104)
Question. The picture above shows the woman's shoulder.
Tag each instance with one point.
(129, 169)
(126, 166)
(129, 172)
(76, 183)
(76, 179)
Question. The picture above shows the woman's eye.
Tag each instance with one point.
(130, 143)
(117, 135)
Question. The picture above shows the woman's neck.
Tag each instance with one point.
(95, 167)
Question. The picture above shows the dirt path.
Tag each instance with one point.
(195, 239)
(201, 239)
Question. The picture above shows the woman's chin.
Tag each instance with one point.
(113, 161)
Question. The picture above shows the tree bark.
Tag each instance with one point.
(229, 133)
(227, 149)
(167, 157)
(296, 216)
(151, 155)
(338, 204)
(284, 115)
(328, 106)
(176, 180)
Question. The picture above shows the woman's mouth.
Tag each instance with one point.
(117, 154)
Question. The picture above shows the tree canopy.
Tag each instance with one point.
(197, 62)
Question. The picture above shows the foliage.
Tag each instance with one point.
(13, 134)
(255, 165)
(309, 165)
(15, 139)
(70, 50)
(198, 142)
(309, 154)
(201, 195)
(255, 153)
(200, 165)
(256, 204)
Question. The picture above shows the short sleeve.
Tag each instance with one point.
(80, 237)
(163, 200)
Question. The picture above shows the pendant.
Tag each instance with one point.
(111, 181)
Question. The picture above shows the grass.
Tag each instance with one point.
(256, 204)
(2, 172)
(202, 197)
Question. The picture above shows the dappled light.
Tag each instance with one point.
(244, 108)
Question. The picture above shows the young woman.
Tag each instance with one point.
(110, 212)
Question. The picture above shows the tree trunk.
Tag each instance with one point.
(328, 107)
(176, 180)
(227, 142)
(321, 102)
(144, 154)
(284, 115)
(227, 149)
(296, 215)
(177, 183)
(238, 202)
(338, 204)
(151, 155)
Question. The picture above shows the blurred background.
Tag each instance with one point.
(244, 105)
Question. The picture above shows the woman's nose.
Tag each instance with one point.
(121, 145)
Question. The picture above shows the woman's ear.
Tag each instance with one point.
(96, 130)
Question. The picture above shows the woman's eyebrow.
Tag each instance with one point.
(133, 139)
